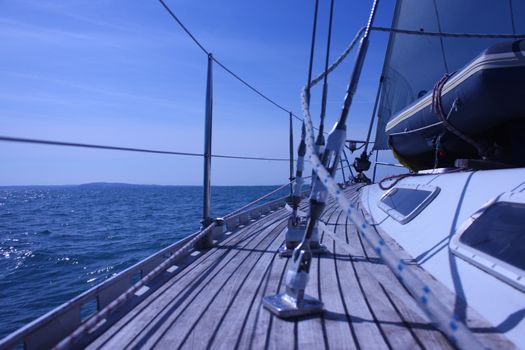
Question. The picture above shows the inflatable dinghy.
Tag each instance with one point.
(488, 118)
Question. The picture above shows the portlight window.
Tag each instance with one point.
(405, 202)
(500, 233)
(493, 238)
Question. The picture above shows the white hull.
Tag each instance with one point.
(429, 236)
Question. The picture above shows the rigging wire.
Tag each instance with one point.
(251, 87)
(320, 142)
(184, 27)
(220, 64)
(308, 84)
(341, 58)
(356, 73)
(442, 44)
(243, 208)
(512, 17)
(133, 149)
(320, 137)
(279, 106)
(312, 50)
(371, 126)
(290, 139)
(449, 35)
(422, 293)
(129, 149)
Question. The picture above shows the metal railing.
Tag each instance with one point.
(376, 163)
(59, 324)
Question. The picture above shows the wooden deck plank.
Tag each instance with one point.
(367, 331)
(311, 330)
(407, 310)
(391, 325)
(259, 324)
(174, 285)
(216, 302)
(235, 294)
(282, 332)
(338, 328)
(429, 337)
(235, 321)
(210, 300)
(147, 318)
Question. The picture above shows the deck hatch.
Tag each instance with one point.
(494, 240)
(405, 202)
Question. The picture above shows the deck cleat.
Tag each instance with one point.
(294, 302)
(293, 236)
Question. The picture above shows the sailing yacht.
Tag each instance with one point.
(431, 258)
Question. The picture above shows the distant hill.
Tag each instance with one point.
(113, 184)
(126, 185)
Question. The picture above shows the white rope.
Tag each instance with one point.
(456, 331)
(341, 58)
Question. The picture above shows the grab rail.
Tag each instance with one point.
(395, 165)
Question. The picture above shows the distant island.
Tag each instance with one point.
(96, 185)
(116, 184)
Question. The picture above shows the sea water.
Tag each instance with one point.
(58, 241)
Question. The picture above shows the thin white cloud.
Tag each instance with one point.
(25, 33)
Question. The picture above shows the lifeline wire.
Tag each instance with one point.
(251, 87)
(184, 28)
(257, 200)
(93, 321)
(129, 149)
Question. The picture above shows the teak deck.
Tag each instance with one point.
(213, 299)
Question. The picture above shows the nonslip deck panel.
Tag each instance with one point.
(216, 301)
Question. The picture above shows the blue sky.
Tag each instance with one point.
(123, 73)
